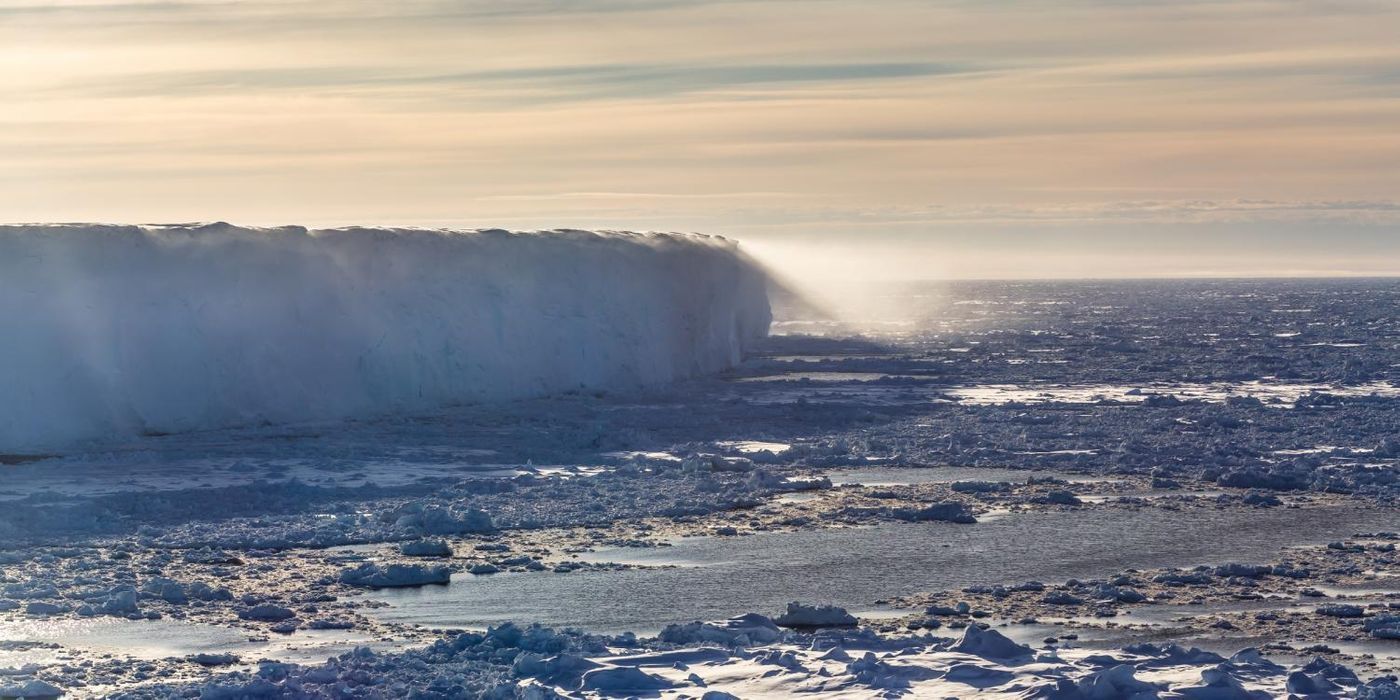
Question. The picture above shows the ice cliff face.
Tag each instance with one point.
(112, 331)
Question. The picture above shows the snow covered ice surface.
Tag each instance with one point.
(1205, 464)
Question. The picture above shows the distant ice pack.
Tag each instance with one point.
(113, 331)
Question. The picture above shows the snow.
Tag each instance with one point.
(510, 661)
(622, 681)
(33, 690)
(990, 644)
(116, 331)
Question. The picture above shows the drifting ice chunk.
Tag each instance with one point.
(426, 548)
(1384, 626)
(745, 629)
(799, 615)
(440, 520)
(371, 575)
(1341, 610)
(33, 690)
(208, 659)
(949, 511)
(267, 612)
(1379, 689)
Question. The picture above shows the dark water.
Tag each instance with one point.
(721, 577)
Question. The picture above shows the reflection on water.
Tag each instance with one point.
(829, 377)
(1171, 623)
(755, 446)
(1268, 392)
(30, 641)
(855, 567)
(905, 476)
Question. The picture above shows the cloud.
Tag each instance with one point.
(764, 117)
(1156, 212)
(548, 84)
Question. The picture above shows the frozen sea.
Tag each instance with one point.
(1231, 387)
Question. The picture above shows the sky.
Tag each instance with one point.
(884, 138)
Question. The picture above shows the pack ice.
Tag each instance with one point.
(114, 331)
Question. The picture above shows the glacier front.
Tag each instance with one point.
(115, 331)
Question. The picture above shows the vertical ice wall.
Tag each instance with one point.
(118, 330)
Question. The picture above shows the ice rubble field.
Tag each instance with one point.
(218, 564)
(181, 328)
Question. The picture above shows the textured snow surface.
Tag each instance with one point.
(114, 331)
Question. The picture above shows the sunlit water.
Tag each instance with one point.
(856, 567)
(904, 476)
(43, 640)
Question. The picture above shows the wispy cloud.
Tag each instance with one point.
(1108, 215)
(898, 117)
(547, 84)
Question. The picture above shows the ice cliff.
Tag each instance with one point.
(113, 331)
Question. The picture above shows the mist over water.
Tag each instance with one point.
(830, 288)
(1064, 252)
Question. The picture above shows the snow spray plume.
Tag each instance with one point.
(846, 289)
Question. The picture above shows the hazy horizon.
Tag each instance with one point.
(1077, 139)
